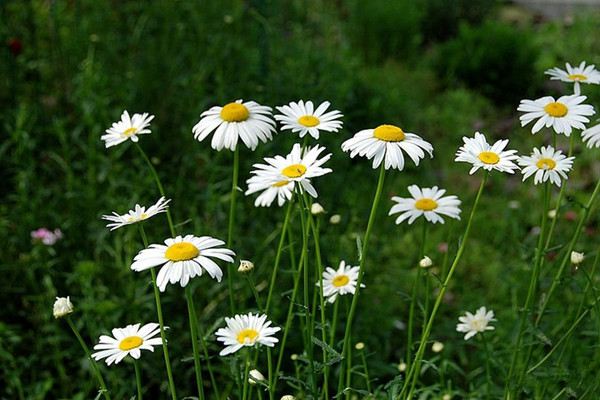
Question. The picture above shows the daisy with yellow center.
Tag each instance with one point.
(478, 152)
(138, 214)
(428, 202)
(388, 143)
(127, 128)
(302, 117)
(471, 324)
(339, 282)
(130, 340)
(576, 75)
(248, 121)
(246, 330)
(546, 164)
(563, 115)
(183, 258)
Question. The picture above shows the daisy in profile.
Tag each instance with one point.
(280, 175)
(246, 331)
(302, 117)
(591, 136)
(576, 75)
(563, 115)
(245, 120)
(389, 143)
(478, 152)
(130, 340)
(138, 214)
(546, 163)
(471, 324)
(127, 128)
(429, 202)
(340, 282)
(183, 258)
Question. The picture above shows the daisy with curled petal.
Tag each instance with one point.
(563, 115)
(591, 136)
(245, 120)
(183, 258)
(473, 324)
(388, 142)
(271, 188)
(130, 340)
(245, 331)
(127, 128)
(546, 163)
(138, 214)
(429, 202)
(584, 74)
(339, 282)
(477, 151)
(301, 117)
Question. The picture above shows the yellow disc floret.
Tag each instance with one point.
(489, 157)
(426, 204)
(247, 336)
(340, 280)
(556, 109)
(130, 343)
(234, 112)
(545, 163)
(577, 77)
(130, 131)
(182, 251)
(389, 133)
(280, 183)
(309, 121)
(294, 171)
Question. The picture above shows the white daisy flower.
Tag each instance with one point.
(428, 202)
(546, 163)
(138, 214)
(246, 330)
(563, 115)
(248, 121)
(303, 118)
(388, 142)
(127, 128)
(340, 282)
(477, 151)
(591, 136)
(576, 75)
(473, 324)
(183, 258)
(279, 176)
(127, 341)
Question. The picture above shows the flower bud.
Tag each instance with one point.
(335, 219)
(436, 347)
(359, 346)
(255, 376)
(288, 397)
(577, 258)
(316, 209)
(62, 307)
(245, 266)
(402, 367)
(425, 262)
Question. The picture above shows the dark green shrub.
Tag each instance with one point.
(442, 17)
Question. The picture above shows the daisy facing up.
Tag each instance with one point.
(130, 340)
(339, 282)
(301, 117)
(563, 115)
(547, 164)
(183, 258)
(471, 324)
(127, 128)
(245, 120)
(427, 202)
(478, 152)
(576, 75)
(387, 143)
(591, 136)
(138, 214)
(246, 331)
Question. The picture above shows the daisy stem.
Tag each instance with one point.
(234, 189)
(365, 367)
(414, 297)
(488, 357)
(286, 219)
(89, 357)
(270, 373)
(138, 379)
(253, 289)
(246, 369)
(361, 272)
(160, 321)
(194, 334)
(336, 306)
(413, 373)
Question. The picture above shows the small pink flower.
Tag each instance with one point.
(46, 236)
(443, 247)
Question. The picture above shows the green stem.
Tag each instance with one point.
(334, 322)
(270, 373)
(194, 334)
(234, 189)
(365, 367)
(138, 379)
(488, 357)
(246, 368)
(253, 289)
(286, 219)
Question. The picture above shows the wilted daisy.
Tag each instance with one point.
(127, 128)
(139, 213)
(127, 341)
(576, 75)
(248, 121)
(183, 258)
(62, 307)
(429, 202)
(303, 118)
(246, 330)
(591, 136)
(546, 163)
(388, 142)
(563, 115)
(477, 151)
(340, 282)
(473, 324)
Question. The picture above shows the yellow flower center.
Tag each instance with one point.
(556, 109)
(309, 121)
(130, 342)
(340, 280)
(294, 171)
(280, 183)
(234, 112)
(489, 157)
(182, 251)
(247, 336)
(577, 77)
(545, 163)
(130, 131)
(389, 133)
(426, 204)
